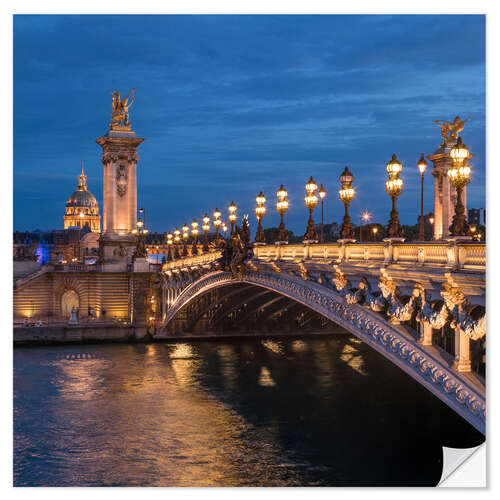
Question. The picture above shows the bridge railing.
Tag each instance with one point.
(456, 255)
(450, 255)
(194, 260)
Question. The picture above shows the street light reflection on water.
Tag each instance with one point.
(264, 412)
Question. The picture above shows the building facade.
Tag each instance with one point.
(82, 208)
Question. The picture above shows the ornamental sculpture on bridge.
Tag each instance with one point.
(237, 251)
(450, 130)
(119, 110)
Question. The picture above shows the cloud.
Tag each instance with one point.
(230, 105)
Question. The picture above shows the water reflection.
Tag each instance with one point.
(265, 378)
(323, 411)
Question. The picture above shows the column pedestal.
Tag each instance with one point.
(462, 352)
(425, 334)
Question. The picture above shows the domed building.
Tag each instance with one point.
(82, 208)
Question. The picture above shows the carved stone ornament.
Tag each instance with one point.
(121, 179)
(373, 299)
(435, 318)
(340, 282)
(303, 271)
(460, 309)
(397, 310)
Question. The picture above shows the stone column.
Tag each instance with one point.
(119, 215)
(462, 351)
(443, 210)
(446, 206)
(438, 212)
(425, 334)
(120, 181)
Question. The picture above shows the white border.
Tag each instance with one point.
(217, 6)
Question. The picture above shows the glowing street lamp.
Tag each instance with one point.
(260, 211)
(206, 228)
(311, 202)
(374, 231)
(232, 216)
(346, 196)
(224, 229)
(422, 165)
(459, 175)
(170, 242)
(282, 207)
(217, 223)
(177, 239)
(185, 236)
(394, 187)
(322, 194)
(194, 233)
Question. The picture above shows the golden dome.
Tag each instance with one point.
(82, 207)
(82, 198)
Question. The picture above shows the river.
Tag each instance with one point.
(295, 411)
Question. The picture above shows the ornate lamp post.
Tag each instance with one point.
(194, 233)
(170, 242)
(232, 216)
(282, 207)
(394, 187)
(224, 229)
(140, 232)
(217, 223)
(177, 239)
(322, 194)
(374, 231)
(422, 165)
(346, 196)
(459, 175)
(185, 236)
(260, 211)
(311, 202)
(206, 228)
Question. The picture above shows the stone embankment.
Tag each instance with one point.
(74, 334)
(93, 334)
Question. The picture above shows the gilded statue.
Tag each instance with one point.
(237, 251)
(119, 109)
(450, 130)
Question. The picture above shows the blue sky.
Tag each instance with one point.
(232, 105)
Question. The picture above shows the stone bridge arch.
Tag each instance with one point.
(420, 362)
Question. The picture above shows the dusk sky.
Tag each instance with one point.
(232, 105)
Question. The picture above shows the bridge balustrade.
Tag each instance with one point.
(452, 255)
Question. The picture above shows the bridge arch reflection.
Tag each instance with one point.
(423, 363)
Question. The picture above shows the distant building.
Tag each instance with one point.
(82, 208)
(73, 244)
(332, 230)
(477, 216)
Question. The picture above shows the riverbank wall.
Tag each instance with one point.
(85, 334)
(75, 334)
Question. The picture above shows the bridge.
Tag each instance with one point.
(419, 304)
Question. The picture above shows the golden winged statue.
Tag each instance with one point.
(119, 109)
(450, 130)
